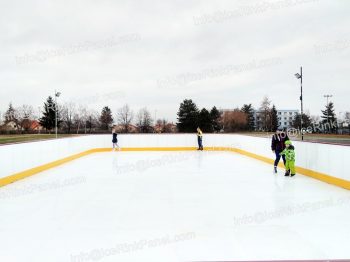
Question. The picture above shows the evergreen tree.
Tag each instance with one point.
(187, 116)
(274, 119)
(329, 118)
(106, 118)
(306, 121)
(215, 117)
(249, 111)
(205, 121)
(48, 120)
(10, 115)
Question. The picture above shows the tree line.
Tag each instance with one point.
(238, 119)
(75, 119)
(80, 119)
(246, 118)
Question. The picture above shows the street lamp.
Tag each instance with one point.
(155, 120)
(328, 96)
(57, 94)
(341, 121)
(300, 76)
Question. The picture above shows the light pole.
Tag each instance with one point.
(57, 94)
(327, 96)
(300, 76)
(340, 122)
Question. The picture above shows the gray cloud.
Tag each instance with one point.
(311, 34)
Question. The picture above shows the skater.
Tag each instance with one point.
(200, 139)
(290, 158)
(277, 146)
(115, 139)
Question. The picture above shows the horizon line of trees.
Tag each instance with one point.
(79, 119)
(246, 118)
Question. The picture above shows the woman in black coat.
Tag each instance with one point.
(277, 146)
(115, 139)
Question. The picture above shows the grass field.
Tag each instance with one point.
(326, 138)
(320, 138)
(8, 139)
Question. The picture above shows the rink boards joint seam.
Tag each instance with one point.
(300, 170)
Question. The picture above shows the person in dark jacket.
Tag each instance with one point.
(115, 139)
(278, 145)
(200, 139)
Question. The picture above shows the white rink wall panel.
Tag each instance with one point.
(19, 157)
(324, 158)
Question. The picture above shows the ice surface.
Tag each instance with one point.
(132, 206)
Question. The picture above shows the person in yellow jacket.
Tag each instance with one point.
(200, 138)
(290, 158)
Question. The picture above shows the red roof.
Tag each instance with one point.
(35, 125)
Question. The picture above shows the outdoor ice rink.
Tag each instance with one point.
(171, 206)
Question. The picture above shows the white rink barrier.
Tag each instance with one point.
(323, 158)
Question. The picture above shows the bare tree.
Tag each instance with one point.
(347, 120)
(161, 122)
(24, 117)
(315, 119)
(235, 120)
(124, 117)
(347, 117)
(168, 127)
(1, 118)
(68, 112)
(92, 120)
(161, 125)
(80, 119)
(265, 114)
(84, 116)
(144, 120)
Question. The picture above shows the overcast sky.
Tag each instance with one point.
(156, 53)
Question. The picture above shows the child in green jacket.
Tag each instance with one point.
(290, 158)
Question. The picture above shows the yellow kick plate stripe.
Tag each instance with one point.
(300, 170)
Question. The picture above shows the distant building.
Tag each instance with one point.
(29, 125)
(131, 128)
(285, 118)
(167, 128)
(10, 126)
(35, 126)
(170, 128)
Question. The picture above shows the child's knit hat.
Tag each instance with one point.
(288, 142)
